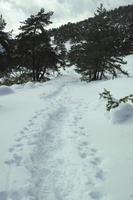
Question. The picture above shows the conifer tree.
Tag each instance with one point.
(34, 49)
(102, 50)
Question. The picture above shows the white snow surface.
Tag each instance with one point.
(58, 142)
(5, 90)
(2, 49)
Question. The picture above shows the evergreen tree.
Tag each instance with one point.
(34, 49)
(102, 49)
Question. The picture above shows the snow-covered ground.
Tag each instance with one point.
(58, 142)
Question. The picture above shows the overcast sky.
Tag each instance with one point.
(14, 11)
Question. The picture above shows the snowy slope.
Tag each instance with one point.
(58, 142)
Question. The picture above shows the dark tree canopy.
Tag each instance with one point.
(34, 49)
(102, 49)
(4, 47)
(76, 31)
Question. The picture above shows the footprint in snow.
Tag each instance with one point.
(96, 195)
(26, 129)
(83, 150)
(84, 143)
(76, 119)
(75, 132)
(18, 145)
(15, 160)
(100, 175)
(94, 150)
(11, 149)
(81, 127)
(96, 161)
(32, 143)
(19, 139)
(90, 182)
(83, 155)
(22, 132)
(42, 110)
(9, 162)
(34, 117)
(30, 124)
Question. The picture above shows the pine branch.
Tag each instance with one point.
(112, 102)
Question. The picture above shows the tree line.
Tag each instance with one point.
(98, 46)
(31, 52)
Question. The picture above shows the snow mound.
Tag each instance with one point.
(123, 113)
(17, 86)
(5, 90)
(38, 84)
(30, 85)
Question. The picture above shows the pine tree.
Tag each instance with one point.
(102, 50)
(34, 49)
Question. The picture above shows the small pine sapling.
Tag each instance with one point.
(112, 102)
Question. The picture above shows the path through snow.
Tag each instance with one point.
(53, 157)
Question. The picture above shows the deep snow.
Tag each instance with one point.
(58, 142)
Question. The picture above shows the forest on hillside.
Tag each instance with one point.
(98, 46)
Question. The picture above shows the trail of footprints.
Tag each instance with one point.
(26, 138)
(88, 154)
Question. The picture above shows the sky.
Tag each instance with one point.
(16, 11)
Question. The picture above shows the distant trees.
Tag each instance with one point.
(34, 50)
(101, 51)
(124, 17)
(76, 31)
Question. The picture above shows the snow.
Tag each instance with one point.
(29, 85)
(123, 113)
(2, 49)
(5, 90)
(68, 45)
(58, 142)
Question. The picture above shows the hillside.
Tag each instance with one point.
(76, 31)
